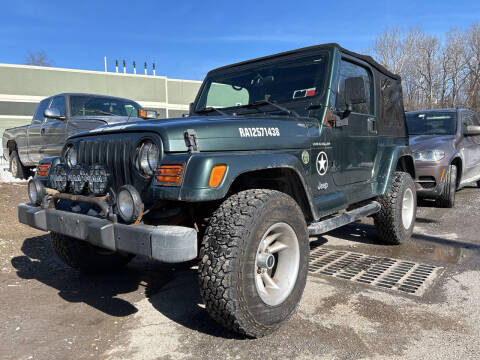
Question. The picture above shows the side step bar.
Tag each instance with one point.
(321, 227)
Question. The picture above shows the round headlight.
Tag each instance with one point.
(59, 177)
(99, 179)
(129, 203)
(71, 156)
(36, 191)
(147, 158)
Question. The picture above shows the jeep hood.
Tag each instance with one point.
(430, 142)
(222, 133)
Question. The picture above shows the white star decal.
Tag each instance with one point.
(322, 163)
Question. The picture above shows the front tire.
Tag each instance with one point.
(16, 167)
(254, 261)
(396, 218)
(447, 198)
(87, 258)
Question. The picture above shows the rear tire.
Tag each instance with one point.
(396, 218)
(16, 167)
(87, 258)
(255, 237)
(447, 198)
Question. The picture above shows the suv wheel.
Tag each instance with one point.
(396, 219)
(85, 257)
(16, 168)
(447, 198)
(254, 261)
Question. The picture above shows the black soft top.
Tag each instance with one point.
(366, 58)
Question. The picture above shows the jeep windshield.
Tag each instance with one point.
(289, 81)
(83, 105)
(432, 123)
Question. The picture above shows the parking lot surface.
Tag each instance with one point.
(153, 311)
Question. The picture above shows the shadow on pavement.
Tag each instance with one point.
(173, 291)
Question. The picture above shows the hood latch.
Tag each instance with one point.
(191, 140)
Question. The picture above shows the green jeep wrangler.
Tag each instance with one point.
(275, 150)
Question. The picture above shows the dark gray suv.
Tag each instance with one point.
(446, 147)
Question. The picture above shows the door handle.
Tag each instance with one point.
(371, 125)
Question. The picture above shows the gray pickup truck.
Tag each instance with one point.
(58, 117)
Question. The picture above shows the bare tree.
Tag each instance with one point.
(38, 58)
(434, 73)
(472, 81)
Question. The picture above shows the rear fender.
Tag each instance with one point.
(391, 158)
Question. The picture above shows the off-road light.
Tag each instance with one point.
(170, 174)
(71, 156)
(36, 191)
(99, 180)
(129, 204)
(146, 158)
(78, 177)
(59, 177)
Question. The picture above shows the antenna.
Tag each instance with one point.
(124, 67)
(153, 69)
(134, 67)
(116, 65)
(145, 68)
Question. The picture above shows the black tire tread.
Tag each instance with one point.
(22, 172)
(85, 257)
(385, 222)
(447, 198)
(225, 239)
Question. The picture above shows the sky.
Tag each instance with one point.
(185, 39)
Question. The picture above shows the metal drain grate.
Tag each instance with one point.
(406, 276)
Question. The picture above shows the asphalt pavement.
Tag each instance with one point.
(153, 311)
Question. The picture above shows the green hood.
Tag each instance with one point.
(219, 133)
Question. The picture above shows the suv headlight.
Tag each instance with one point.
(71, 156)
(430, 155)
(146, 158)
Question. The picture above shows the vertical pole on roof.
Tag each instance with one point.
(105, 61)
(116, 65)
(134, 67)
(153, 69)
(166, 97)
(145, 68)
(124, 67)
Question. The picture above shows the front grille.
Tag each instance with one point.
(114, 153)
(427, 182)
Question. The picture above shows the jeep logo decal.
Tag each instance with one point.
(322, 163)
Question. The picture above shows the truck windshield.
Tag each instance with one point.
(82, 105)
(432, 123)
(286, 80)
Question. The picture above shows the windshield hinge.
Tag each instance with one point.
(191, 140)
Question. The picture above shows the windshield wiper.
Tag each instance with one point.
(268, 102)
(211, 109)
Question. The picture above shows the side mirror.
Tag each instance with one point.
(190, 109)
(53, 113)
(148, 114)
(471, 130)
(355, 90)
